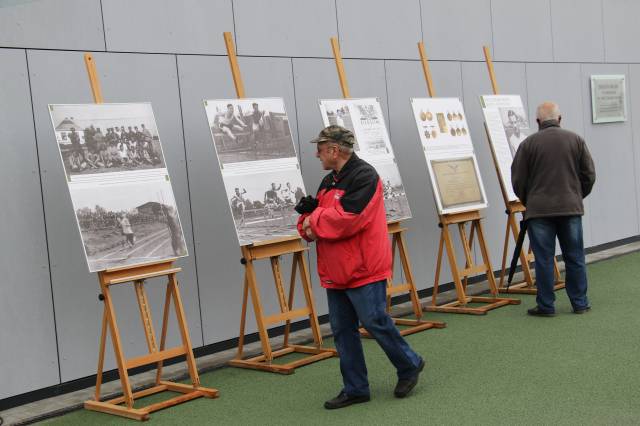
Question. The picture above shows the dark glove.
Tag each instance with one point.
(306, 204)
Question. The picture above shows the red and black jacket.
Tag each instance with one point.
(351, 227)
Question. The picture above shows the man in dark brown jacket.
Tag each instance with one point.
(551, 173)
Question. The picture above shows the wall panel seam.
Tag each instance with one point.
(193, 234)
(44, 218)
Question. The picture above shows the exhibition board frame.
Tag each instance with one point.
(512, 210)
(398, 245)
(138, 274)
(462, 304)
(273, 250)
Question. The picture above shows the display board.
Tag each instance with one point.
(448, 149)
(119, 183)
(608, 103)
(259, 166)
(365, 119)
(507, 126)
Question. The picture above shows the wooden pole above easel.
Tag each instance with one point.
(233, 63)
(398, 243)
(426, 69)
(96, 89)
(138, 274)
(526, 286)
(273, 250)
(342, 76)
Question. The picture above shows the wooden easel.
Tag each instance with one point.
(272, 250)
(157, 355)
(398, 245)
(512, 208)
(460, 276)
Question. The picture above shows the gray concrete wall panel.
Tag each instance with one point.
(26, 312)
(393, 28)
(300, 28)
(621, 31)
(577, 30)
(457, 29)
(52, 24)
(522, 30)
(611, 146)
(165, 26)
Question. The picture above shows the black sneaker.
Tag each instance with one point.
(537, 312)
(344, 400)
(582, 310)
(405, 386)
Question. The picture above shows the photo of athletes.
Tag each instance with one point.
(128, 224)
(395, 198)
(249, 129)
(262, 204)
(516, 126)
(106, 138)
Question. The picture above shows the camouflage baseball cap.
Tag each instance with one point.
(337, 134)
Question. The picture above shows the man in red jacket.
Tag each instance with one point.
(347, 221)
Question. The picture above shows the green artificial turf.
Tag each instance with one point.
(502, 368)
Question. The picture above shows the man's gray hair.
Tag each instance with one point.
(345, 149)
(548, 111)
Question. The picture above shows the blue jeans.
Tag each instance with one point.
(366, 305)
(542, 234)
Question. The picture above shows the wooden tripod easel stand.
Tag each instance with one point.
(460, 276)
(512, 208)
(272, 250)
(138, 275)
(398, 245)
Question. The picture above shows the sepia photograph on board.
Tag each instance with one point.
(128, 224)
(249, 129)
(106, 138)
(262, 204)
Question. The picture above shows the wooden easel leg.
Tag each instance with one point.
(436, 281)
(453, 263)
(145, 316)
(505, 251)
(394, 246)
(308, 295)
(292, 287)
(243, 317)
(257, 308)
(408, 273)
(117, 347)
(485, 259)
(165, 326)
(184, 330)
(103, 341)
(467, 251)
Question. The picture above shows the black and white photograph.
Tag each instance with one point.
(372, 130)
(128, 224)
(395, 198)
(262, 204)
(516, 126)
(106, 138)
(338, 113)
(250, 129)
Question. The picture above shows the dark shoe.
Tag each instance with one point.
(405, 386)
(344, 400)
(537, 312)
(582, 310)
